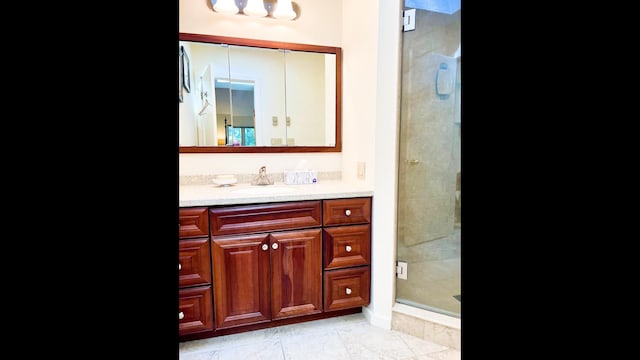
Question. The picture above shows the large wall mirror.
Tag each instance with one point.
(243, 95)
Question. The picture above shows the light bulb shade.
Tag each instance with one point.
(226, 7)
(284, 10)
(255, 8)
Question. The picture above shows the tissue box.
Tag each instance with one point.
(298, 177)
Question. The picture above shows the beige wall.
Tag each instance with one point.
(368, 32)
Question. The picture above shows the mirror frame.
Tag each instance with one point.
(273, 45)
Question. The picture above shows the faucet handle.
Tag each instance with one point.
(262, 178)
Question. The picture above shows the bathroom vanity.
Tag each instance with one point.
(253, 257)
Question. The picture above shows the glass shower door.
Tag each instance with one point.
(429, 191)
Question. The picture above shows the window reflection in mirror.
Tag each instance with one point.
(264, 68)
(238, 129)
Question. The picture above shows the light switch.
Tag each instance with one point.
(274, 120)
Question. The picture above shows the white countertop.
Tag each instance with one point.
(207, 195)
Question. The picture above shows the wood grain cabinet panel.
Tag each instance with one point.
(346, 246)
(194, 310)
(346, 253)
(262, 277)
(194, 264)
(346, 288)
(347, 211)
(194, 222)
(241, 280)
(247, 219)
(296, 273)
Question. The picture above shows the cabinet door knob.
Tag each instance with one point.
(348, 248)
(180, 265)
(274, 246)
(347, 212)
(348, 291)
(265, 247)
(180, 315)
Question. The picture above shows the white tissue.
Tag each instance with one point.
(299, 177)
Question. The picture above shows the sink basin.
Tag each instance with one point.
(264, 190)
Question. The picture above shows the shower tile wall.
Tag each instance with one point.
(429, 186)
(427, 330)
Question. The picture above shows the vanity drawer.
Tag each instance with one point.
(194, 262)
(347, 246)
(346, 288)
(195, 310)
(194, 222)
(244, 219)
(347, 211)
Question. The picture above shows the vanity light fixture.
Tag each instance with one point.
(255, 8)
(226, 7)
(274, 9)
(284, 10)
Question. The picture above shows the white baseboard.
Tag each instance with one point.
(377, 320)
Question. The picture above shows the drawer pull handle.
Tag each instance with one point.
(347, 212)
(274, 246)
(348, 248)
(180, 266)
(180, 315)
(265, 247)
(348, 291)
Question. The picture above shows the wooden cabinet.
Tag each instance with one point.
(347, 253)
(195, 311)
(267, 262)
(248, 267)
(194, 222)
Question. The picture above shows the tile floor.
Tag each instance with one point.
(346, 337)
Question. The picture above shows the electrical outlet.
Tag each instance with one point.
(361, 170)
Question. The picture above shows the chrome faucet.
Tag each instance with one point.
(262, 178)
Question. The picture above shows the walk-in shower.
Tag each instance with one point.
(429, 174)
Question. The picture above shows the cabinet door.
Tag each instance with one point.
(347, 246)
(194, 222)
(194, 310)
(346, 288)
(194, 265)
(347, 211)
(263, 218)
(296, 273)
(241, 280)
